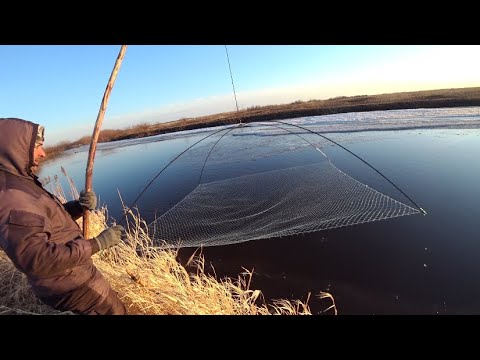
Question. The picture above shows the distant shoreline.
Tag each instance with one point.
(444, 98)
(411, 100)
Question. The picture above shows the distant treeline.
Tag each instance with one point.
(342, 104)
(104, 136)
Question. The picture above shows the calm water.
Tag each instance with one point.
(409, 265)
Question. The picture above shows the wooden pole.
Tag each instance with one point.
(96, 133)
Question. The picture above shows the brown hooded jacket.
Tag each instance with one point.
(36, 232)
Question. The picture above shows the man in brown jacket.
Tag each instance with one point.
(39, 233)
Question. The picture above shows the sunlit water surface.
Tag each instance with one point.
(409, 265)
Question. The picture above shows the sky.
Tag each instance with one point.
(62, 86)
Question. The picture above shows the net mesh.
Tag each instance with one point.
(258, 183)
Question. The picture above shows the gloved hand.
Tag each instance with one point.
(111, 237)
(88, 200)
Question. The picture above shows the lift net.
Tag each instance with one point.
(258, 183)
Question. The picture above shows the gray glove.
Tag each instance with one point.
(88, 200)
(111, 237)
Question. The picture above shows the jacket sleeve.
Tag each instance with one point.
(29, 248)
(74, 209)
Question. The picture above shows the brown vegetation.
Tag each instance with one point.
(150, 280)
(340, 104)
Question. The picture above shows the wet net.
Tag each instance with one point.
(264, 181)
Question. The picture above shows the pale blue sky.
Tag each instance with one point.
(61, 86)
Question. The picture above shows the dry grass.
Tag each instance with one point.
(340, 104)
(151, 281)
(16, 297)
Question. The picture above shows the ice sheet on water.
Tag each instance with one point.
(454, 118)
(464, 117)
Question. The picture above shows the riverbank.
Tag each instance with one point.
(150, 281)
(443, 98)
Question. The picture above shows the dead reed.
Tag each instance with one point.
(150, 280)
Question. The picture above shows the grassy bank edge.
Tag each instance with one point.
(443, 98)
